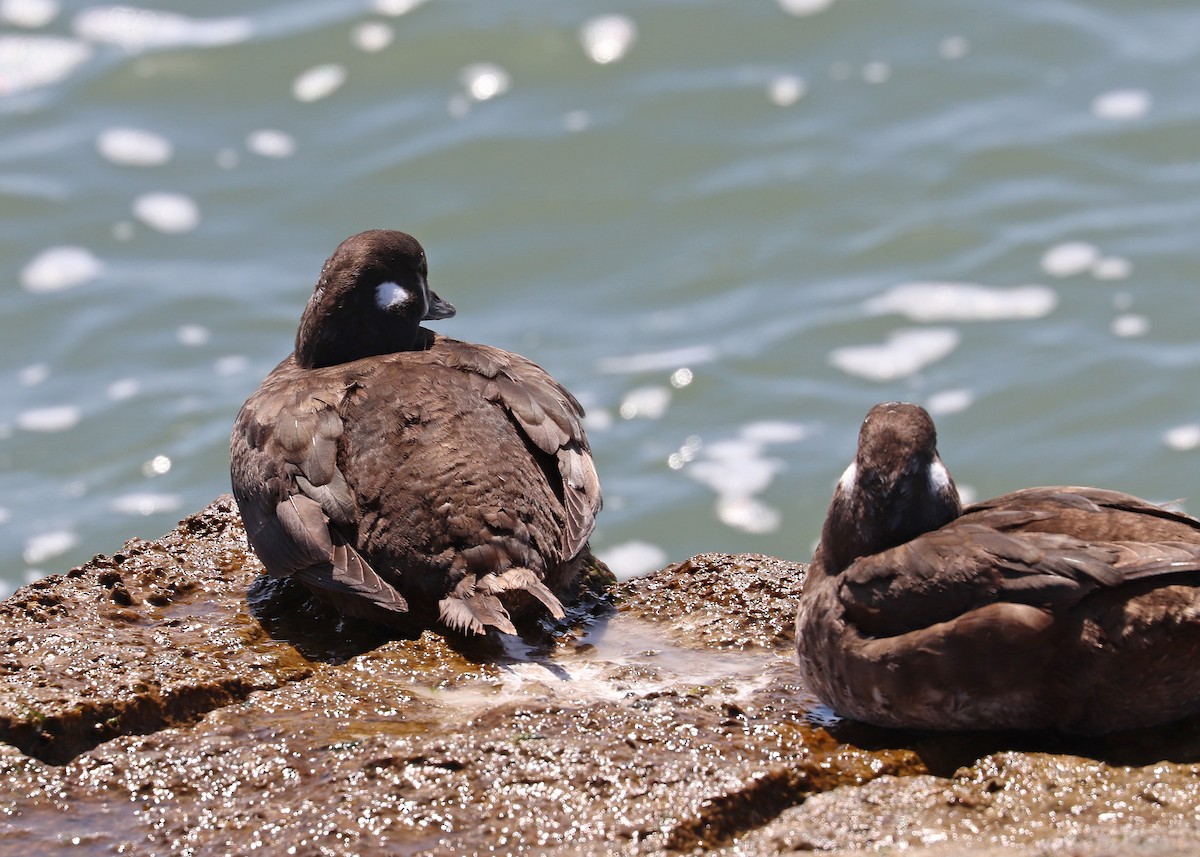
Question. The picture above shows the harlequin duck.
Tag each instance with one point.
(1075, 609)
(407, 477)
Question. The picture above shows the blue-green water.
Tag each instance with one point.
(723, 225)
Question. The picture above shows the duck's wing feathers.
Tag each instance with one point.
(293, 497)
(966, 565)
(548, 415)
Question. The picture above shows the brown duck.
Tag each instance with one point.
(1066, 608)
(407, 477)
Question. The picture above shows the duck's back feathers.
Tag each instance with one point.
(1065, 607)
(440, 478)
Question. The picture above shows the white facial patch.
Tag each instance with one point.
(389, 296)
(849, 477)
(939, 476)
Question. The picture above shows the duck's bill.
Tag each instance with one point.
(438, 308)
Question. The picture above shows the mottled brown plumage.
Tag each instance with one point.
(407, 477)
(1066, 608)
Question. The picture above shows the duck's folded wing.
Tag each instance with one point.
(293, 499)
(550, 417)
(962, 567)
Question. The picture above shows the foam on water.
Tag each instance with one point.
(33, 375)
(123, 388)
(270, 143)
(57, 268)
(804, 7)
(737, 469)
(904, 353)
(646, 402)
(876, 72)
(193, 335)
(318, 82)
(633, 558)
(963, 302)
(1130, 325)
(372, 36)
(396, 8)
(786, 89)
(607, 38)
(949, 402)
(1112, 268)
(133, 147)
(46, 546)
(1070, 258)
(30, 62)
(50, 419)
(954, 48)
(137, 30)
(146, 503)
(167, 212)
(1183, 437)
(653, 361)
(1122, 104)
(28, 13)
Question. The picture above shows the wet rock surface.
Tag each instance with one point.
(146, 707)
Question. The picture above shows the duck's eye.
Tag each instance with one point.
(392, 297)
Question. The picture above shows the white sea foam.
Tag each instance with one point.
(646, 402)
(396, 8)
(786, 89)
(1122, 104)
(133, 147)
(963, 302)
(50, 419)
(28, 62)
(737, 470)
(904, 353)
(804, 7)
(46, 546)
(146, 503)
(876, 72)
(607, 38)
(950, 401)
(954, 48)
(1112, 268)
(318, 82)
(652, 361)
(271, 144)
(372, 36)
(124, 388)
(193, 335)
(59, 268)
(1130, 325)
(28, 13)
(1070, 258)
(231, 364)
(138, 30)
(167, 212)
(633, 558)
(1183, 437)
(483, 81)
(33, 375)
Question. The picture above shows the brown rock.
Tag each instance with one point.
(147, 710)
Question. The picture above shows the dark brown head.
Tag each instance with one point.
(896, 488)
(371, 298)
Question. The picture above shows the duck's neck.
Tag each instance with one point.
(868, 515)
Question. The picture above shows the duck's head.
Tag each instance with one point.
(371, 298)
(895, 489)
